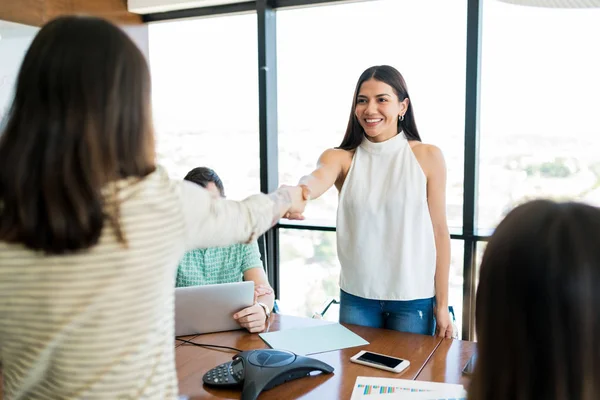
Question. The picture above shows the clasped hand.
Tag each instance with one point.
(300, 196)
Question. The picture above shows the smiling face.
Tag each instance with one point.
(378, 109)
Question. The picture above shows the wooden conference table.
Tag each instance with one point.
(431, 359)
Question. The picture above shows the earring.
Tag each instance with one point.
(401, 117)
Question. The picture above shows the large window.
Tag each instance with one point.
(205, 97)
(309, 272)
(318, 69)
(540, 133)
(317, 72)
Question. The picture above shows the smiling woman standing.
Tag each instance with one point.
(392, 235)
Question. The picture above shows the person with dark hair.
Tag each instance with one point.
(392, 234)
(91, 230)
(537, 308)
(225, 264)
(208, 179)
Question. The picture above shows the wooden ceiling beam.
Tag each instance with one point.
(38, 12)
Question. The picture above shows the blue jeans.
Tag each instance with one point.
(414, 316)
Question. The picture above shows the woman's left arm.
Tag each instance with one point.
(436, 200)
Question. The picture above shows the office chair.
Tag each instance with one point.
(327, 304)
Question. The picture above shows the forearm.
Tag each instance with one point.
(213, 222)
(316, 186)
(442, 269)
(282, 201)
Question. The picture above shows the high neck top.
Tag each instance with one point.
(394, 143)
(384, 231)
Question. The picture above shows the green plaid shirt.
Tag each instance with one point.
(217, 265)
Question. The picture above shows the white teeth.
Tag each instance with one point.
(373, 120)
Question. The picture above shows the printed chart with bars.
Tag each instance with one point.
(371, 388)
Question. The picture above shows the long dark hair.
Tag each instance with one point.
(389, 75)
(80, 119)
(538, 302)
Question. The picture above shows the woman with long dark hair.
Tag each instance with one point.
(538, 306)
(91, 230)
(392, 234)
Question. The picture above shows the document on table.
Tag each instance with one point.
(370, 388)
(316, 339)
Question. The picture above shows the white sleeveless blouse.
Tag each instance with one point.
(385, 239)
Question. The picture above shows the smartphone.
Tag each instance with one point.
(381, 361)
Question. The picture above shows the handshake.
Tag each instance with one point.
(291, 200)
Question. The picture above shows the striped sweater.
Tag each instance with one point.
(98, 324)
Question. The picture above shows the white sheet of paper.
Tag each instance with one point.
(314, 339)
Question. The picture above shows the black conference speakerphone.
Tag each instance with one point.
(258, 370)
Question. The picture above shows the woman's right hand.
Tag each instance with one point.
(290, 202)
(299, 195)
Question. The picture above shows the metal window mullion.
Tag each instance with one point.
(267, 100)
(473, 81)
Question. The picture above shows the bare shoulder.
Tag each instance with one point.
(427, 150)
(430, 157)
(339, 161)
(338, 157)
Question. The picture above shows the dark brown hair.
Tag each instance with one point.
(203, 175)
(538, 306)
(80, 119)
(389, 75)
